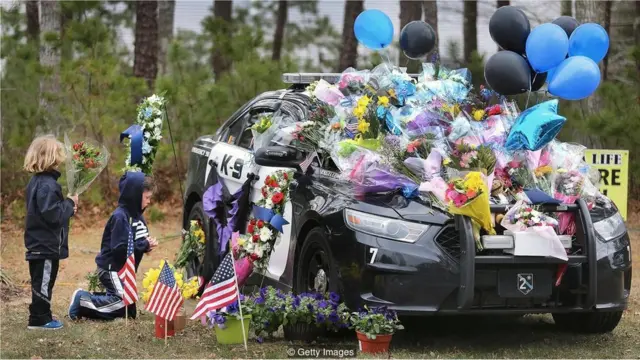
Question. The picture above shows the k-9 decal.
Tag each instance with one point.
(234, 167)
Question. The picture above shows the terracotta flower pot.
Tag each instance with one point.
(374, 346)
(160, 332)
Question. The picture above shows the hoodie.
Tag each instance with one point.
(46, 233)
(125, 220)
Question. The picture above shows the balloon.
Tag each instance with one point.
(507, 73)
(417, 39)
(537, 80)
(590, 40)
(373, 29)
(547, 46)
(535, 127)
(575, 79)
(567, 23)
(509, 28)
(551, 73)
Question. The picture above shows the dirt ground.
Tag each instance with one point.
(527, 337)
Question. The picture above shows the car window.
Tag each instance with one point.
(246, 138)
(233, 132)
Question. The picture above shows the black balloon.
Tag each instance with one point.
(537, 80)
(509, 28)
(567, 23)
(507, 73)
(417, 39)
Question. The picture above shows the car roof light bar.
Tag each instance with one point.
(308, 78)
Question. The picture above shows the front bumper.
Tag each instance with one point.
(429, 278)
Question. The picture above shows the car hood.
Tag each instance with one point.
(396, 205)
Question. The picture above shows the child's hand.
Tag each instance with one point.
(153, 243)
(74, 198)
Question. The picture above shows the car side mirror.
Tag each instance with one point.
(279, 156)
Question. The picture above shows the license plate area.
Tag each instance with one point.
(525, 283)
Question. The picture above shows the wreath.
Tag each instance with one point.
(150, 118)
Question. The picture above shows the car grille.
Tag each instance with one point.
(449, 241)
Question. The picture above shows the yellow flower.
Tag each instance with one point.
(359, 111)
(478, 115)
(474, 181)
(190, 288)
(200, 235)
(363, 126)
(383, 100)
(194, 222)
(543, 170)
(446, 161)
(241, 241)
(364, 101)
(392, 92)
(454, 110)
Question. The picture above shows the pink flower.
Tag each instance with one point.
(460, 200)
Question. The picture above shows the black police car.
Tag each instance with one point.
(382, 249)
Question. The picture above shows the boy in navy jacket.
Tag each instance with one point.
(135, 195)
(46, 227)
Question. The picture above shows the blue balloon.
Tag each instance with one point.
(535, 127)
(546, 47)
(575, 79)
(550, 74)
(590, 40)
(373, 29)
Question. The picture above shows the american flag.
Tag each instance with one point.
(128, 273)
(166, 298)
(221, 290)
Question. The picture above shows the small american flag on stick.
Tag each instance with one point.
(128, 272)
(166, 298)
(221, 291)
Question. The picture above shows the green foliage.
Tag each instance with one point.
(377, 321)
(94, 282)
(156, 215)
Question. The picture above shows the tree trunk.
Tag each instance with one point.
(501, 3)
(66, 15)
(33, 21)
(278, 37)
(636, 31)
(49, 60)
(606, 24)
(145, 62)
(430, 10)
(470, 30)
(409, 11)
(166, 14)
(222, 12)
(566, 7)
(349, 51)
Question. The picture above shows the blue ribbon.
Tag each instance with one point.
(384, 114)
(134, 132)
(538, 196)
(410, 191)
(267, 215)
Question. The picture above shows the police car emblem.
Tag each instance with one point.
(525, 283)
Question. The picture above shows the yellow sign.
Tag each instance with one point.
(613, 166)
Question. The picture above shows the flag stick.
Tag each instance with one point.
(235, 277)
(126, 315)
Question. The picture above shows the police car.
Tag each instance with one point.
(382, 249)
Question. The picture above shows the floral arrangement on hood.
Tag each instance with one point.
(265, 226)
(524, 216)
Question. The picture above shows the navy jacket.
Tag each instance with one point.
(126, 219)
(46, 233)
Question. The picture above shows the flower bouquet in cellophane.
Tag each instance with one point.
(469, 196)
(85, 161)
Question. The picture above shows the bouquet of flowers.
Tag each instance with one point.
(264, 229)
(193, 245)
(470, 197)
(85, 161)
(219, 318)
(472, 158)
(150, 118)
(523, 216)
(189, 289)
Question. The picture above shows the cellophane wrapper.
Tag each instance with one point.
(85, 161)
(479, 211)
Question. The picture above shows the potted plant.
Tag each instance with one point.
(309, 315)
(229, 324)
(374, 328)
(268, 310)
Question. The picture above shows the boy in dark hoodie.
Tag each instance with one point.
(46, 227)
(135, 195)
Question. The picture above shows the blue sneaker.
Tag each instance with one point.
(74, 305)
(52, 325)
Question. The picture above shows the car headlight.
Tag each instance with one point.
(610, 228)
(384, 227)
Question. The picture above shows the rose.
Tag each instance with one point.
(255, 238)
(277, 198)
(252, 222)
(260, 224)
(254, 257)
(250, 228)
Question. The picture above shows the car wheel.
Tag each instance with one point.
(590, 323)
(315, 270)
(197, 213)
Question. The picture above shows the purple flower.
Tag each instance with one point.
(233, 308)
(319, 296)
(296, 302)
(320, 318)
(310, 307)
(260, 339)
(259, 300)
(263, 292)
(322, 304)
(333, 317)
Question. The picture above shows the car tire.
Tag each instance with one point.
(588, 323)
(315, 248)
(197, 213)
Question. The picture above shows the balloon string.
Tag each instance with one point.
(526, 106)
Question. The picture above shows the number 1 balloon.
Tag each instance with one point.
(373, 29)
